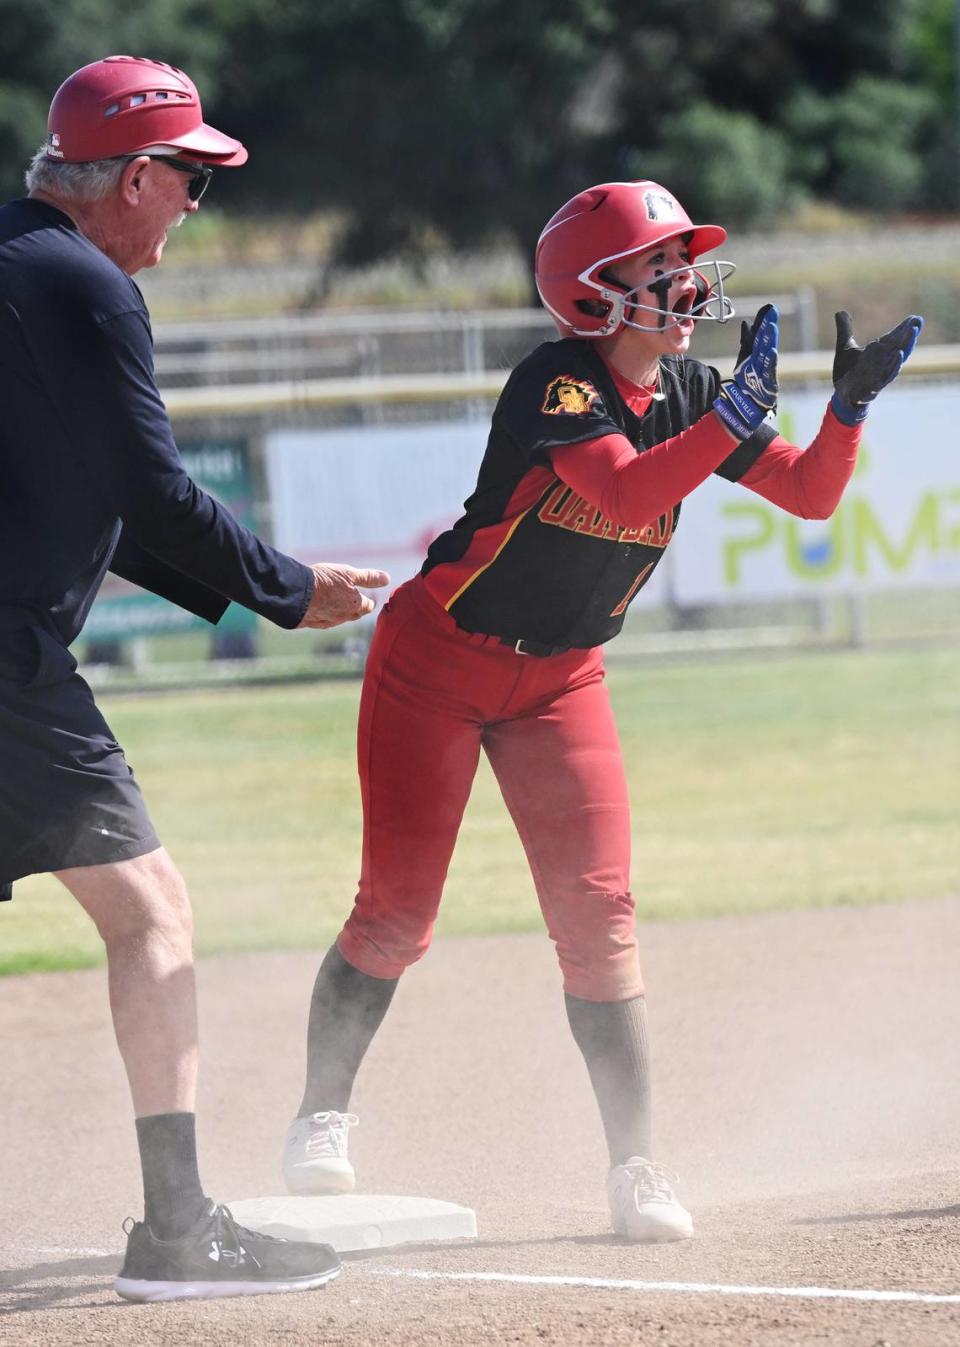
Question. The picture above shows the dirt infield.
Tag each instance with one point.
(808, 1095)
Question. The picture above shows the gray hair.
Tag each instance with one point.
(73, 182)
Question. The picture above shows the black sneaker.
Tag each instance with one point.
(218, 1258)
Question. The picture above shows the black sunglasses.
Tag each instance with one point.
(200, 174)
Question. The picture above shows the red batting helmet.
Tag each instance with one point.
(125, 104)
(601, 226)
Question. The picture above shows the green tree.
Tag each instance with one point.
(425, 121)
(876, 143)
(746, 106)
(721, 163)
(934, 51)
(458, 117)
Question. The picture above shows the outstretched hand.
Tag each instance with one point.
(336, 597)
(745, 400)
(861, 372)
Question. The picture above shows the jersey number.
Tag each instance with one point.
(621, 607)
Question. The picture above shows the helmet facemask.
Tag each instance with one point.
(710, 303)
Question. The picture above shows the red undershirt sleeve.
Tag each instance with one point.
(635, 489)
(807, 482)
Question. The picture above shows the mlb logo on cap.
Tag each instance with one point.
(53, 146)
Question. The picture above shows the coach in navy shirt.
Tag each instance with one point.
(91, 481)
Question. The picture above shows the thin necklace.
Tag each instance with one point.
(653, 390)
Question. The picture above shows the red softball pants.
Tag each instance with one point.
(433, 696)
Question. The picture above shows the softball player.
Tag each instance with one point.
(498, 644)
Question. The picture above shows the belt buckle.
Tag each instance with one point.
(517, 649)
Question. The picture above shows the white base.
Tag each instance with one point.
(356, 1221)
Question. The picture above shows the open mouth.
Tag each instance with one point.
(682, 311)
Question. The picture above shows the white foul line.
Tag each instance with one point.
(76, 1253)
(616, 1283)
(691, 1288)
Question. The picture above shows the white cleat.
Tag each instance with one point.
(642, 1203)
(315, 1154)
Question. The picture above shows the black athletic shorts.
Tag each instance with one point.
(67, 795)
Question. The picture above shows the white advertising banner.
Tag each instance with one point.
(377, 495)
(897, 526)
(371, 495)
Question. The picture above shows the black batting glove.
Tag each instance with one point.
(861, 372)
(746, 338)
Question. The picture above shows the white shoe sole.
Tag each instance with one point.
(315, 1181)
(653, 1231)
(148, 1292)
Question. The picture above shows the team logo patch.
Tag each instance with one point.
(569, 397)
(660, 206)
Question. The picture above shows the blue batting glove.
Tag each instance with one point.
(744, 401)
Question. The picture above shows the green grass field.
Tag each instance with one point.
(827, 777)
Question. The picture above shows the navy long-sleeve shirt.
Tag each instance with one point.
(90, 476)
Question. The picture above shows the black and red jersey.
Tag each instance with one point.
(531, 559)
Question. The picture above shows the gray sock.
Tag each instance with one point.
(346, 1009)
(173, 1198)
(612, 1035)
